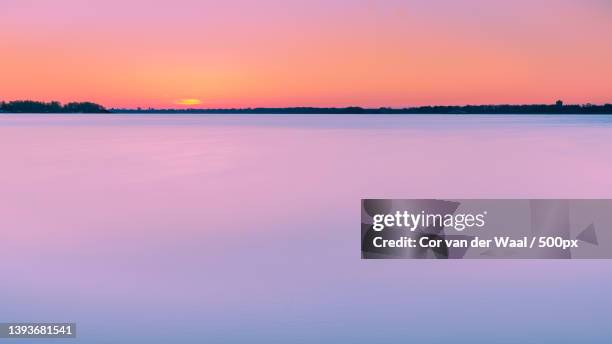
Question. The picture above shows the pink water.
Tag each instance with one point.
(245, 228)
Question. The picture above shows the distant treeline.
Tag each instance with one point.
(29, 106)
(469, 109)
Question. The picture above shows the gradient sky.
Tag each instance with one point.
(237, 53)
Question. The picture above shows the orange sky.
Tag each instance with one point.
(314, 53)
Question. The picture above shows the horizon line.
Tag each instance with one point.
(342, 107)
(189, 108)
(558, 107)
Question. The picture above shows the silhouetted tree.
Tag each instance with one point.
(29, 106)
(85, 107)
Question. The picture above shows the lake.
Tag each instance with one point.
(245, 228)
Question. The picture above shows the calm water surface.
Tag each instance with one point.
(244, 229)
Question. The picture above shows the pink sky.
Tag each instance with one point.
(238, 53)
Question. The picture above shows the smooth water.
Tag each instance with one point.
(245, 228)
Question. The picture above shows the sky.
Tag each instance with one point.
(242, 53)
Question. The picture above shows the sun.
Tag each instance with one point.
(188, 101)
